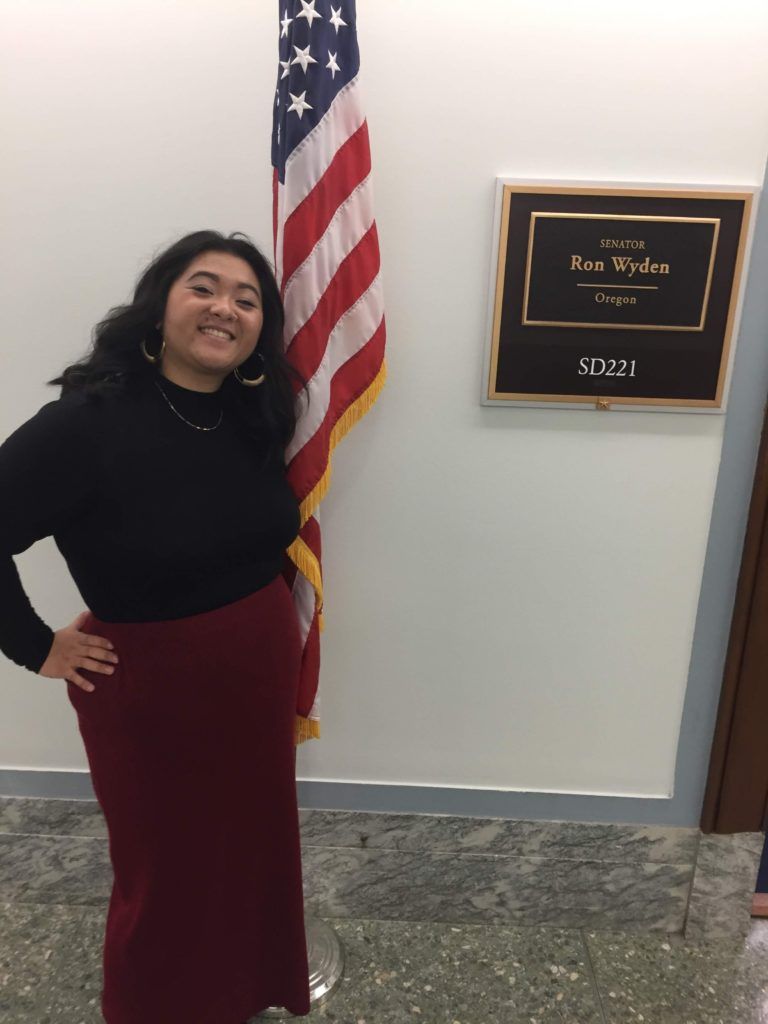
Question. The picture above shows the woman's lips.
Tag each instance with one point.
(215, 337)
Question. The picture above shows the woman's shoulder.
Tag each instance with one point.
(71, 409)
(73, 416)
(72, 403)
(87, 403)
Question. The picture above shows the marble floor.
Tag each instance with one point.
(398, 971)
(52, 913)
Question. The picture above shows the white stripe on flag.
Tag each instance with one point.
(312, 157)
(353, 330)
(304, 599)
(349, 224)
(280, 223)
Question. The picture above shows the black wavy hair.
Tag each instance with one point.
(115, 361)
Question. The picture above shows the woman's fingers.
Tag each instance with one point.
(95, 665)
(99, 647)
(72, 649)
(78, 680)
(97, 641)
(96, 656)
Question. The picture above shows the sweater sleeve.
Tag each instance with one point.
(47, 474)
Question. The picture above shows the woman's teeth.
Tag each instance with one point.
(214, 333)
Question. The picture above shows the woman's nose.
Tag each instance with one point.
(222, 306)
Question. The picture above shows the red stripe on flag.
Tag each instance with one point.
(310, 670)
(308, 222)
(349, 382)
(310, 534)
(354, 276)
(310, 662)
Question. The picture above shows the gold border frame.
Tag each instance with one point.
(592, 190)
(618, 216)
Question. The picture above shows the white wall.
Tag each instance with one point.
(510, 593)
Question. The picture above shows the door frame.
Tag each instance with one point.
(736, 796)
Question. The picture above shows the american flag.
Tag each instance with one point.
(327, 266)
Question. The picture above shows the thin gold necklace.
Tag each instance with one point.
(195, 425)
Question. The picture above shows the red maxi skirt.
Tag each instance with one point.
(190, 743)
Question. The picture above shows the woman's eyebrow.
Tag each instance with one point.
(215, 277)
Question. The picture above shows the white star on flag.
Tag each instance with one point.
(332, 64)
(299, 104)
(285, 65)
(302, 57)
(285, 23)
(336, 18)
(308, 11)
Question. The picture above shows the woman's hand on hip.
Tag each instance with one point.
(71, 649)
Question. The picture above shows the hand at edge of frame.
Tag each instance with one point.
(72, 649)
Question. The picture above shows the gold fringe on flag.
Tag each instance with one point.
(306, 729)
(351, 415)
(305, 560)
(299, 552)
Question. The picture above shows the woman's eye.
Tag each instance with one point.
(206, 291)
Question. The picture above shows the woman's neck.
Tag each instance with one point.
(190, 381)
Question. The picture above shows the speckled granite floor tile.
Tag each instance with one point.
(460, 974)
(50, 972)
(50, 964)
(653, 980)
(398, 971)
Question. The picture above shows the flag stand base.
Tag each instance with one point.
(326, 967)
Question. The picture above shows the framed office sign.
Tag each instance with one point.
(614, 296)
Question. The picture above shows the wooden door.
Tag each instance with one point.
(736, 798)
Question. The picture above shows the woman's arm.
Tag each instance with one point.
(47, 473)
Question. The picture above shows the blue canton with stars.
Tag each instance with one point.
(318, 56)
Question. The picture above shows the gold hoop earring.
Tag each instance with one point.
(147, 356)
(250, 383)
(254, 382)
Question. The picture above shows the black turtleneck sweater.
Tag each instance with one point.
(156, 520)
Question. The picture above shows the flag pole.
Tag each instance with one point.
(326, 967)
(326, 957)
(327, 265)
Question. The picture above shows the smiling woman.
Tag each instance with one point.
(226, 311)
(230, 277)
(160, 473)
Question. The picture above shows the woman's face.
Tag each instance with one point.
(213, 316)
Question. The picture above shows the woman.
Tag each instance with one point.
(160, 474)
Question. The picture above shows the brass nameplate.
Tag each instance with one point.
(606, 271)
(612, 296)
